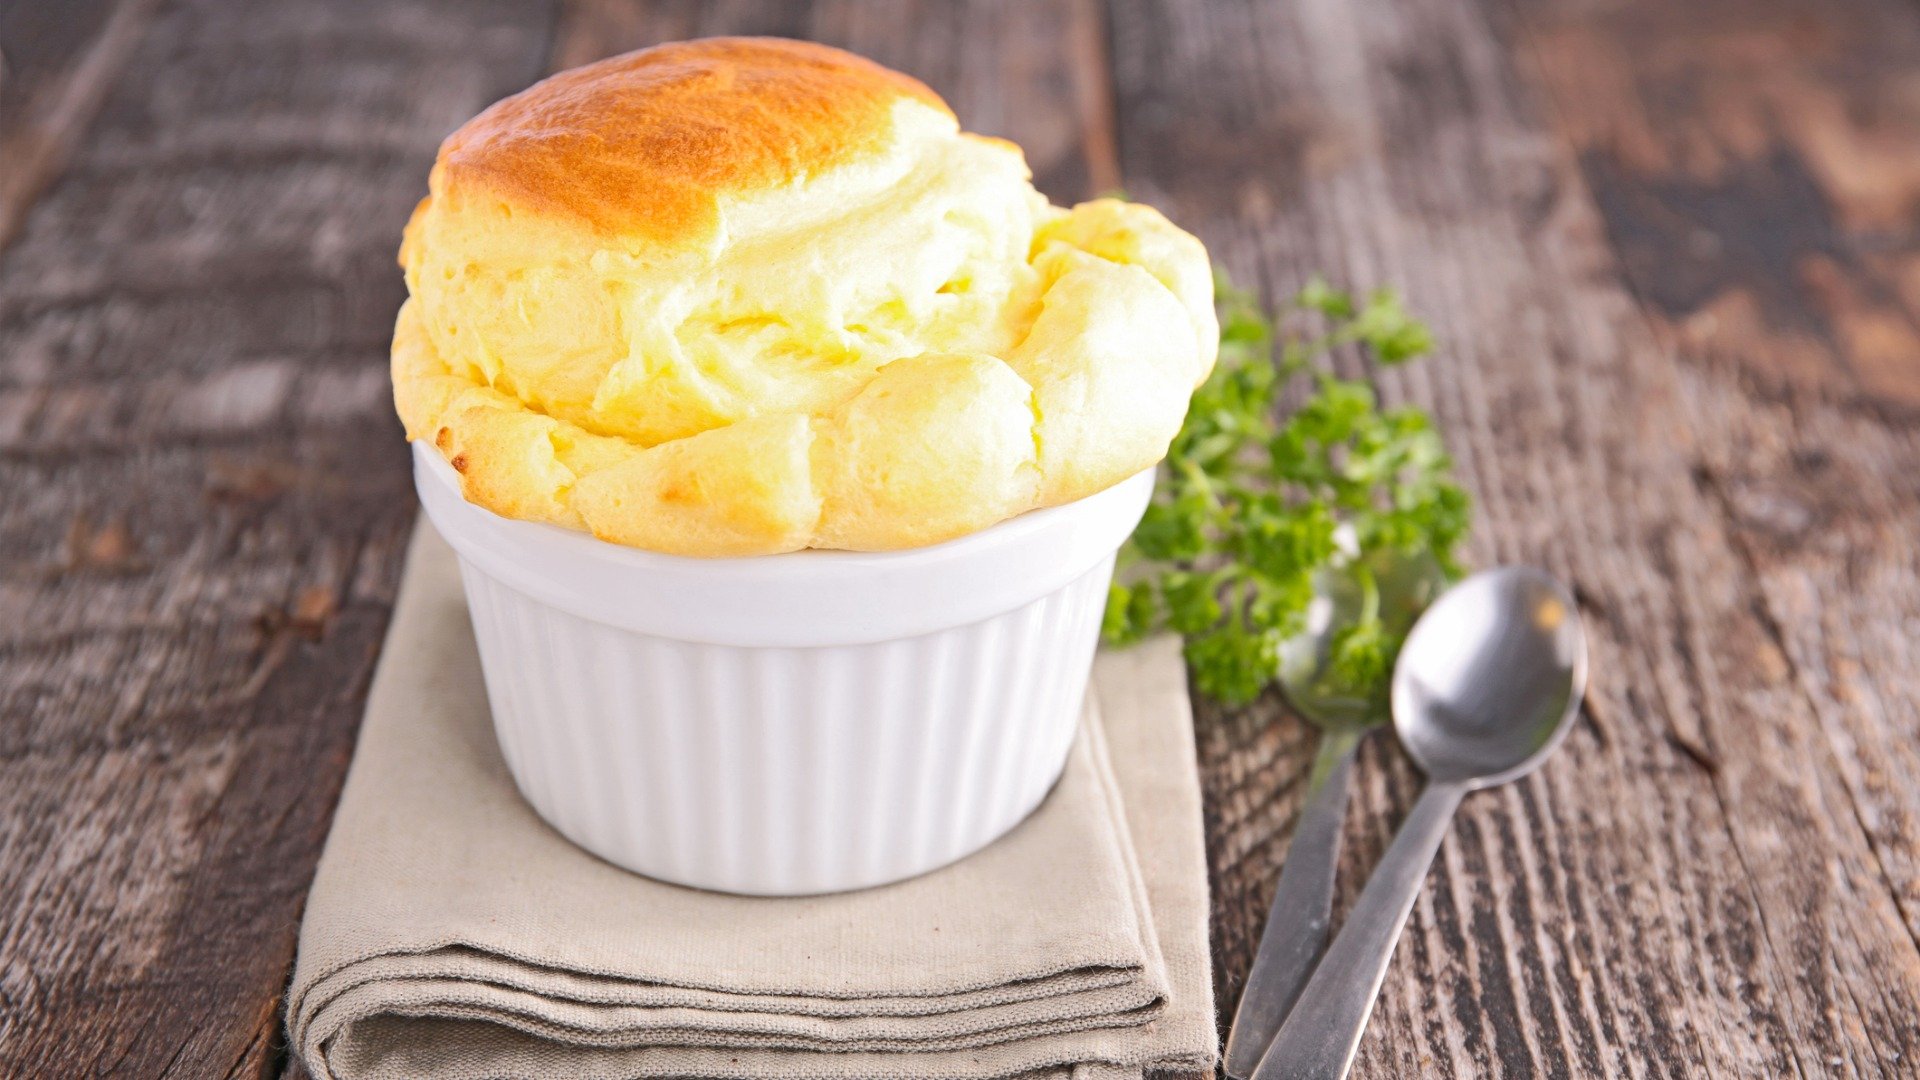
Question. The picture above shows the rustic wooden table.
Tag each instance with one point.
(1672, 252)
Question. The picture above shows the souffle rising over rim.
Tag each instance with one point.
(741, 296)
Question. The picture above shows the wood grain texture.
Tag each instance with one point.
(1792, 301)
(1671, 254)
(1698, 885)
(1034, 73)
(56, 64)
(204, 510)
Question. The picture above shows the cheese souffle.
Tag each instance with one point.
(744, 296)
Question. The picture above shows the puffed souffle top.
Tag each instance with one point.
(741, 296)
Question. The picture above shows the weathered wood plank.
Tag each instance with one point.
(56, 64)
(1687, 890)
(1034, 73)
(1670, 251)
(1756, 169)
(1791, 294)
(205, 509)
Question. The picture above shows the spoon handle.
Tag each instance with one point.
(1302, 907)
(1320, 1037)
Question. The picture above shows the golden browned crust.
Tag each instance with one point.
(743, 296)
(645, 145)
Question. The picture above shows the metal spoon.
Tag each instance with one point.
(1486, 686)
(1302, 908)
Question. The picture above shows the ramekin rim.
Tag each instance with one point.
(1001, 532)
(799, 599)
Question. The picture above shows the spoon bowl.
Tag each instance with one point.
(1403, 587)
(1489, 678)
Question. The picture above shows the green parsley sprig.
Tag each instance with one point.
(1251, 506)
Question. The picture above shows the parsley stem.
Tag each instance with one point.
(1369, 593)
(1197, 476)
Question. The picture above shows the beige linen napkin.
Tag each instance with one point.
(451, 933)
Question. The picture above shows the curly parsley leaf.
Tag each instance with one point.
(1252, 507)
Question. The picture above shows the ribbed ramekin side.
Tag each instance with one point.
(548, 724)
(785, 770)
(968, 730)
(495, 612)
(1071, 629)
(1014, 733)
(925, 729)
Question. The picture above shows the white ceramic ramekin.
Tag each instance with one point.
(785, 724)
